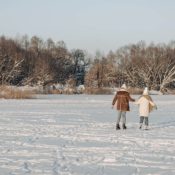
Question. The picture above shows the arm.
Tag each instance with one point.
(114, 100)
(138, 101)
(131, 99)
(152, 103)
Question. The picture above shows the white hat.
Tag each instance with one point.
(145, 92)
(124, 86)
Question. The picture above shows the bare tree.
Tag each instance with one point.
(9, 69)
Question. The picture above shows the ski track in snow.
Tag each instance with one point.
(75, 135)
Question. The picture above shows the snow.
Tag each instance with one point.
(75, 135)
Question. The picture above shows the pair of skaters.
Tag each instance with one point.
(121, 102)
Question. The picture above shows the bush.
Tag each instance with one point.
(90, 90)
(8, 92)
(136, 91)
(54, 91)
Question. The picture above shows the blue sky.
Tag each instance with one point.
(90, 24)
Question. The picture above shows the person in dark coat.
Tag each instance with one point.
(121, 102)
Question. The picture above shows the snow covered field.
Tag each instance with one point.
(75, 135)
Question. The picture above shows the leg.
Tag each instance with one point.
(119, 116)
(141, 121)
(124, 119)
(146, 122)
(118, 119)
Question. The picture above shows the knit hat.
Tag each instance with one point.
(124, 86)
(145, 92)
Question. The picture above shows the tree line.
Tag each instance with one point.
(33, 61)
(138, 65)
(25, 61)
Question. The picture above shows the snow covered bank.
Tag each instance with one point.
(75, 135)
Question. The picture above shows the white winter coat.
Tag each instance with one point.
(144, 106)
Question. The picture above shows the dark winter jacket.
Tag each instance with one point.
(122, 98)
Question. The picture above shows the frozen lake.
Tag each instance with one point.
(75, 135)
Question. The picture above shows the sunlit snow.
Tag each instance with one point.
(75, 135)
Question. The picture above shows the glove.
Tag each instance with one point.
(155, 107)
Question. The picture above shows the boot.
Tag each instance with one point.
(124, 126)
(140, 126)
(146, 127)
(117, 127)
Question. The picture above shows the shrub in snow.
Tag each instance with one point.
(80, 89)
(10, 92)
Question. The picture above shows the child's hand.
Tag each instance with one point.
(155, 107)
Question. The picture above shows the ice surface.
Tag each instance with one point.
(75, 135)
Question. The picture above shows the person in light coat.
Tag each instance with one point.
(146, 105)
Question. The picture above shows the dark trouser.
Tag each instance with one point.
(123, 115)
(142, 118)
